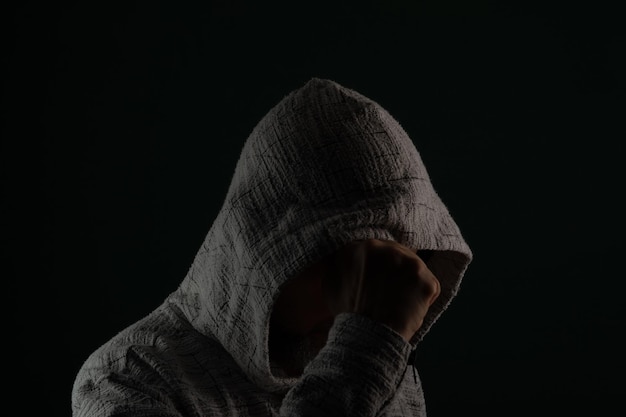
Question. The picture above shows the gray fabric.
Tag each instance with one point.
(322, 168)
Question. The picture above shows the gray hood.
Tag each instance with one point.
(323, 167)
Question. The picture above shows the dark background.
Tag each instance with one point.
(122, 124)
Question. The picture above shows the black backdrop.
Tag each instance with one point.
(122, 124)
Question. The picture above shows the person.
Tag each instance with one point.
(329, 261)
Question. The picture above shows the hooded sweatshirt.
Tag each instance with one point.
(324, 167)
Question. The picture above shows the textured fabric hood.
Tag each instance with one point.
(323, 167)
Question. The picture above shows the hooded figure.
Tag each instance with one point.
(325, 167)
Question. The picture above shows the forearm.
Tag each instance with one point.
(356, 373)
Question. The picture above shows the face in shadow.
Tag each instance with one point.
(300, 321)
(302, 315)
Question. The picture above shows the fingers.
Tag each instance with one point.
(386, 281)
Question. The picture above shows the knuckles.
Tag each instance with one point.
(390, 264)
(386, 281)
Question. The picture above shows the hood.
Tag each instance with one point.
(325, 166)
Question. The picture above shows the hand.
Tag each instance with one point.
(384, 281)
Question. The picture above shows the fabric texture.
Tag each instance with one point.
(324, 167)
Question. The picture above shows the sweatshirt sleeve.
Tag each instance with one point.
(355, 374)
